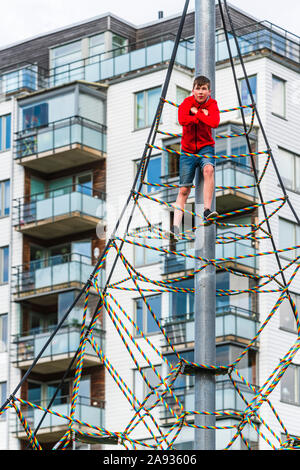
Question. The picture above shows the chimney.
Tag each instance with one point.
(160, 15)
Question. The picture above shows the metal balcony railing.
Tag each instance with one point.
(59, 202)
(88, 409)
(57, 272)
(28, 77)
(63, 133)
(175, 263)
(231, 320)
(227, 398)
(228, 173)
(26, 346)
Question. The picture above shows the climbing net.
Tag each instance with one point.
(162, 387)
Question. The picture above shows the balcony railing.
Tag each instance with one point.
(228, 173)
(227, 399)
(176, 263)
(59, 202)
(26, 346)
(254, 37)
(49, 274)
(89, 410)
(64, 133)
(27, 78)
(231, 321)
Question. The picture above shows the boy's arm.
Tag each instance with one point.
(184, 116)
(212, 119)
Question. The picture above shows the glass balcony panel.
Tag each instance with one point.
(61, 136)
(92, 72)
(137, 59)
(154, 54)
(107, 68)
(167, 49)
(181, 55)
(92, 138)
(122, 64)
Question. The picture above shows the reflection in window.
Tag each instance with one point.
(4, 198)
(245, 93)
(3, 332)
(146, 103)
(290, 382)
(289, 167)
(5, 132)
(143, 255)
(287, 317)
(143, 317)
(141, 388)
(4, 261)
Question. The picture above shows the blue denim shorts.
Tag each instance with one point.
(188, 165)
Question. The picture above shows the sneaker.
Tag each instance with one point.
(209, 215)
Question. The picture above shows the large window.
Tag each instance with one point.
(144, 318)
(146, 103)
(3, 396)
(4, 198)
(118, 45)
(289, 235)
(144, 256)
(96, 46)
(3, 332)
(290, 385)
(245, 93)
(5, 132)
(141, 389)
(153, 173)
(66, 54)
(289, 168)
(4, 255)
(287, 317)
(278, 96)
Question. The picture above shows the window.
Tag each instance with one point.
(287, 317)
(289, 168)
(143, 255)
(143, 317)
(66, 54)
(153, 174)
(5, 132)
(146, 103)
(289, 235)
(4, 198)
(290, 385)
(181, 94)
(96, 47)
(245, 93)
(4, 253)
(278, 96)
(3, 332)
(35, 116)
(3, 396)
(141, 389)
(118, 43)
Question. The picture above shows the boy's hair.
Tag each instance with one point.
(201, 80)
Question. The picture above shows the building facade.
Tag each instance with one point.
(77, 106)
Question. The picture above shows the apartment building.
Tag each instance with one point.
(77, 105)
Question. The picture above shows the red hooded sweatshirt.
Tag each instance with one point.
(197, 127)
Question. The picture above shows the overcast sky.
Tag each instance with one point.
(23, 19)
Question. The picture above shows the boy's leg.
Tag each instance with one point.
(180, 202)
(209, 185)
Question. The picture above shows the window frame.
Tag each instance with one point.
(4, 281)
(294, 171)
(3, 396)
(136, 247)
(296, 386)
(247, 111)
(282, 116)
(3, 342)
(145, 102)
(145, 314)
(5, 132)
(3, 200)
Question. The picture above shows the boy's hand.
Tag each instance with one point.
(205, 111)
(194, 110)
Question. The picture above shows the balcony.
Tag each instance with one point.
(227, 200)
(60, 145)
(89, 410)
(61, 212)
(227, 399)
(232, 324)
(26, 78)
(56, 357)
(41, 280)
(255, 37)
(175, 263)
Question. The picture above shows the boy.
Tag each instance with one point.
(197, 114)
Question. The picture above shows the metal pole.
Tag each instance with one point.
(205, 280)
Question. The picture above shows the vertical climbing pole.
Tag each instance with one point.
(205, 280)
